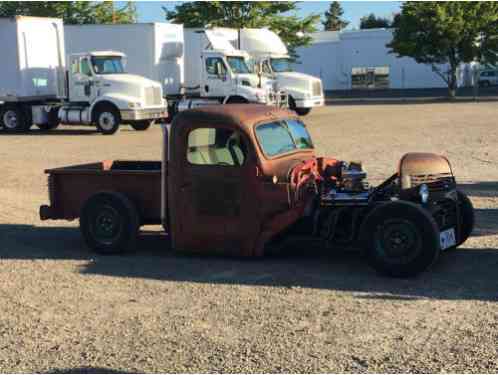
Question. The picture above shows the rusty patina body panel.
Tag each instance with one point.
(70, 187)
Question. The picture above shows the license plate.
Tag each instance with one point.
(447, 238)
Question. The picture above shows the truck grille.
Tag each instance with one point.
(316, 88)
(435, 182)
(152, 96)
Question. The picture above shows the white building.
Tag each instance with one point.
(360, 59)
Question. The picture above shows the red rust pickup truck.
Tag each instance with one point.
(236, 178)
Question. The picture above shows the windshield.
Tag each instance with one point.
(280, 137)
(107, 65)
(280, 65)
(238, 65)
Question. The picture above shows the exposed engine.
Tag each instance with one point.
(347, 186)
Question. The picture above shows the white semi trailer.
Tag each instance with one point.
(195, 68)
(270, 58)
(35, 87)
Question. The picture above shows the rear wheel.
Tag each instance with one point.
(142, 125)
(107, 120)
(14, 119)
(401, 239)
(109, 223)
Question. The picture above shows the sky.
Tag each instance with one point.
(353, 10)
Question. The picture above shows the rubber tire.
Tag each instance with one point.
(141, 125)
(22, 125)
(467, 217)
(424, 224)
(53, 120)
(303, 111)
(130, 223)
(236, 100)
(115, 114)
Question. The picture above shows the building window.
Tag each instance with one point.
(370, 77)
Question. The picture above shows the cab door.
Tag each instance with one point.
(81, 87)
(215, 211)
(217, 81)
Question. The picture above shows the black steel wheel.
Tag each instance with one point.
(401, 239)
(109, 223)
(467, 219)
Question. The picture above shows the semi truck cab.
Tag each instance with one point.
(108, 95)
(305, 91)
(228, 76)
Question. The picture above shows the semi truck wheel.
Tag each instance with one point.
(107, 120)
(109, 223)
(401, 239)
(299, 111)
(303, 111)
(142, 125)
(14, 119)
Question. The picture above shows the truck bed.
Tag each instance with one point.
(70, 187)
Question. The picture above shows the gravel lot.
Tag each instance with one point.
(66, 309)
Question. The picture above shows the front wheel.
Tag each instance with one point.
(401, 239)
(107, 120)
(303, 111)
(142, 125)
(109, 223)
(299, 111)
(467, 218)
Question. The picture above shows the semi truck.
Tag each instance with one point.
(242, 179)
(36, 88)
(194, 68)
(269, 57)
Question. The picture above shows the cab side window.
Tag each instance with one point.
(75, 66)
(266, 68)
(212, 64)
(85, 67)
(215, 146)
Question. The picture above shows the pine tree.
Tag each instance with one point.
(333, 20)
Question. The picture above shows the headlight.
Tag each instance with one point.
(423, 191)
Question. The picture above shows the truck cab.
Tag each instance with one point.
(228, 76)
(239, 179)
(270, 59)
(107, 95)
(305, 91)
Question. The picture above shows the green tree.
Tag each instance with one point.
(373, 22)
(446, 34)
(72, 12)
(333, 20)
(248, 14)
